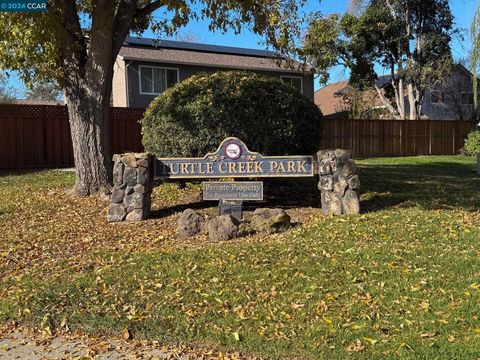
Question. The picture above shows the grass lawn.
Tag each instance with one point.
(402, 280)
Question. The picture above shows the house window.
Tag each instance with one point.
(437, 97)
(295, 81)
(467, 98)
(155, 80)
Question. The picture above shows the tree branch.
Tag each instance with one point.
(387, 104)
(148, 9)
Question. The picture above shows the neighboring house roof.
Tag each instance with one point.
(177, 52)
(328, 99)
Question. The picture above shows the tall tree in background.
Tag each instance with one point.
(409, 39)
(44, 91)
(7, 93)
(75, 43)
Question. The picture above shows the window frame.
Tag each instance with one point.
(293, 77)
(140, 67)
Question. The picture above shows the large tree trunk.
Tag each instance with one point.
(88, 88)
(90, 139)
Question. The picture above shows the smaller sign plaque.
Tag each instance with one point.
(233, 190)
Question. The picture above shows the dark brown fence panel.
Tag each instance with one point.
(369, 138)
(38, 136)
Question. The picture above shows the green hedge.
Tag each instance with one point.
(472, 143)
(194, 116)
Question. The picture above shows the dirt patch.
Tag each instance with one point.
(23, 343)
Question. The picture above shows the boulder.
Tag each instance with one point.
(351, 203)
(130, 176)
(189, 223)
(325, 168)
(133, 201)
(142, 162)
(326, 183)
(117, 195)
(270, 220)
(135, 215)
(142, 175)
(340, 185)
(349, 168)
(354, 182)
(118, 173)
(117, 212)
(129, 160)
(331, 203)
(223, 227)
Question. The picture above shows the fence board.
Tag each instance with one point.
(369, 138)
(38, 136)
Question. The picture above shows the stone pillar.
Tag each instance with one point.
(132, 187)
(339, 182)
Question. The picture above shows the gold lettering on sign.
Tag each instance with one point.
(291, 166)
(281, 167)
(209, 168)
(259, 167)
(250, 167)
(232, 168)
(184, 168)
(273, 166)
(241, 167)
(301, 166)
(172, 169)
(221, 169)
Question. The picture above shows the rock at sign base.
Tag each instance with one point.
(349, 168)
(223, 227)
(331, 203)
(130, 176)
(189, 223)
(340, 185)
(351, 203)
(354, 182)
(270, 221)
(135, 215)
(118, 173)
(116, 213)
(326, 183)
(129, 160)
(117, 195)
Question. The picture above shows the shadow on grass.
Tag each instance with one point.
(430, 185)
(278, 193)
(433, 186)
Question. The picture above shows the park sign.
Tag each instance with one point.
(232, 159)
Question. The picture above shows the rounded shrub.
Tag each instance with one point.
(472, 143)
(194, 116)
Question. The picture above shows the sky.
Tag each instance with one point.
(463, 11)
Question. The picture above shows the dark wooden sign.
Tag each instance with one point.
(232, 159)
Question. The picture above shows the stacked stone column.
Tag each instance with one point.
(132, 187)
(339, 182)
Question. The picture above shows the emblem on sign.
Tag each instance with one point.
(233, 151)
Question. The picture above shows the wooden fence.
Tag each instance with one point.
(369, 138)
(38, 136)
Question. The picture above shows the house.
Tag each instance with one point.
(144, 68)
(451, 100)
